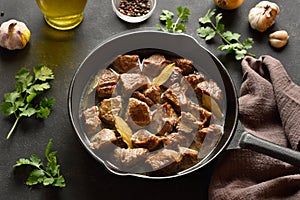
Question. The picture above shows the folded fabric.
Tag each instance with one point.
(269, 107)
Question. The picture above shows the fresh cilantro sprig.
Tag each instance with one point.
(47, 176)
(167, 18)
(209, 29)
(21, 102)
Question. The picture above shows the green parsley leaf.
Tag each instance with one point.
(207, 17)
(43, 73)
(48, 181)
(248, 43)
(27, 112)
(209, 30)
(35, 177)
(48, 176)
(231, 36)
(219, 27)
(59, 181)
(45, 108)
(166, 15)
(183, 13)
(23, 80)
(36, 161)
(167, 18)
(20, 102)
(40, 87)
(206, 32)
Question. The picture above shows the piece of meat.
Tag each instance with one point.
(126, 63)
(140, 96)
(175, 140)
(174, 78)
(188, 123)
(175, 96)
(207, 138)
(128, 159)
(189, 158)
(153, 65)
(144, 139)
(108, 108)
(210, 88)
(203, 115)
(154, 93)
(138, 112)
(195, 78)
(103, 140)
(166, 161)
(106, 84)
(184, 64)
(91, 119)
(132, 82)
(164, 120)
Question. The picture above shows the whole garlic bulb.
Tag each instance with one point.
(263, 15)
(279, 39)
(14, 35)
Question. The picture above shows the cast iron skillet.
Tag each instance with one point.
(187, 47)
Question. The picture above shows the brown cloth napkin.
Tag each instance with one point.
(269, 108)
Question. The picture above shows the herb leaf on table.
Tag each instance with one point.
(210, 29)
(47, 176)
(167, 18)
(23, 102)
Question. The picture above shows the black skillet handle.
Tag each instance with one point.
(249, 141)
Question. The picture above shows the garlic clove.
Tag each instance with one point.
(278, 39)
(14, 35)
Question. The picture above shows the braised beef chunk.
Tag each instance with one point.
(127, 159)
(203, 115)
(188, 123)
(145, 139)
(108, 108)
(206, 138)
(140, 96)
(184, 64)
(91, 119)
(126, 63)
(154, 93)
(138, 112)
(189, 158)
(164, 120)
(153, 65)
(107, 84)
(156, 58)
(103, 140)
(210, 88)
(174, 78)
(195, 78)
(166, 161)
(175, 140)
(175, 96)
(132, 82)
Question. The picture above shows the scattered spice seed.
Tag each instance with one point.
(134, 8)
(2, 14)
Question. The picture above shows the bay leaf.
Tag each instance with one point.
(124, 130)
(164, 75)
(212, 105)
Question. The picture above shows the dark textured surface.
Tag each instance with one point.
(63, 52)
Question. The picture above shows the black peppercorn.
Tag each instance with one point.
(134, 8)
